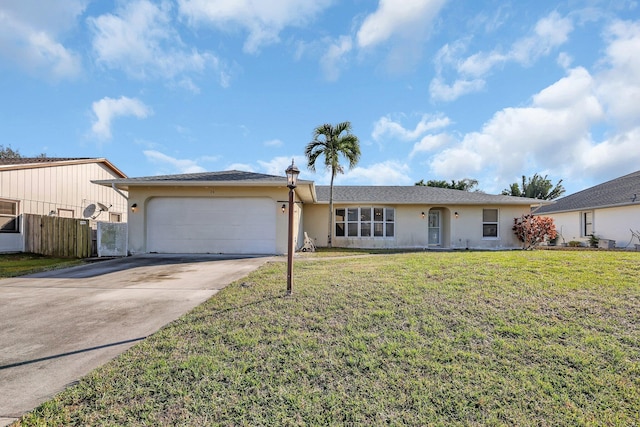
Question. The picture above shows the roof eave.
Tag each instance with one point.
(64, 163)
(588, 208)
(436, 202)
(125, 184)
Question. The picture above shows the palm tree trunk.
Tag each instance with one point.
(333, 174)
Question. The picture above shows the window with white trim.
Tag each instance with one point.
(65, 213)
(490, 223)
(366, 221)
(9, 216)
(587, 223)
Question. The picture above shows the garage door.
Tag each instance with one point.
(211, 225)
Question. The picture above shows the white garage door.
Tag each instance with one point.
(211, 225)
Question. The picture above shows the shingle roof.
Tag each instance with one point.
(224, 176)
(30, 160)
(617, 192)
(415, 195)
(233, 178)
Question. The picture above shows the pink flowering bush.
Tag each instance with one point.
(533, 230)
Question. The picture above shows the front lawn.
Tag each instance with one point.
(24, 263)
(469, 338)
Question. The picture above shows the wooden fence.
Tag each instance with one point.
(56, 236)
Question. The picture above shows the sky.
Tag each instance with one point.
(434, 89)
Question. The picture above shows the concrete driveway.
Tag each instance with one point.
(56, 327)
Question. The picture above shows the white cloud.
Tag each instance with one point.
(408, 19)
(29, 32)
(561, 131)
(564, 60)
(385, 173)
(403, 27)
(334, 58)
(431, 142)
(549, 33)
(140, 40)
(453, 163)
(386, 127)
(619, 153)
(263, 20)
(273, 143)
(177, 165)
(108, 109)
(278, 165)
(619, 83)
(240, 167)
(551, 131)
(439, 90)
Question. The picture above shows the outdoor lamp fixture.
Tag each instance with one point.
(422, 215)
(284, 207)
(456, 214)
(134, 207)
(292, 178)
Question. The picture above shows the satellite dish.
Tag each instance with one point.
(102, 207)
(89, 211)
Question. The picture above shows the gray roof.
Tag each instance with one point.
(617, 192)
(31, 160)
(416, 194)
(224, 176)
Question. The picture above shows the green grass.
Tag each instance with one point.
(12, 265)
(547, 338)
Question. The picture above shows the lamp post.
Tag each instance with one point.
(292, 177)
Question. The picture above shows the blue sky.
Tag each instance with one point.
(434, 89)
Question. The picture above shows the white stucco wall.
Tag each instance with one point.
(608, 223)
(411, 228)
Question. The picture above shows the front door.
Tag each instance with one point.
(434, 228)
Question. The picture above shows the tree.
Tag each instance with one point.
(535, 187)
(533, 230)
(332, 142)
(466, 184)
(9, 153)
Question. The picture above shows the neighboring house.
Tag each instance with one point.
(609, 211)
(244, 212)
(55, 186)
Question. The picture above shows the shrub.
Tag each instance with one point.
(532, 230)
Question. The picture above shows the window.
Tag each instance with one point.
(490, 223)
(587, 223)
(115, 217)
(65, 213)
(365, 222)
(9, 216)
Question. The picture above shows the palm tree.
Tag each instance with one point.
(332, 142)
(535, 187)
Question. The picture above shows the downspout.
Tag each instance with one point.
(113, 185)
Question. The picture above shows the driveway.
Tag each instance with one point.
(56, 327)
